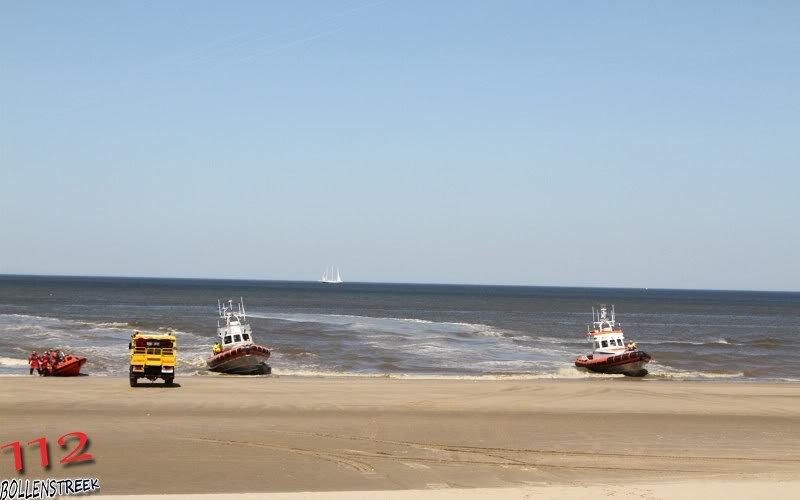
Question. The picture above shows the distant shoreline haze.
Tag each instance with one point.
(367, 282)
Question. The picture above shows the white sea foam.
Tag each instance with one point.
(657, 370)
(13, 362)
(415, 346)
(113, 325)
(371, 321)
(690, 375)
(563, 373)
(104, 343)
(686, 342)
(28, 317)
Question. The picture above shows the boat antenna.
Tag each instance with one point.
(219, 307)
(241, 302)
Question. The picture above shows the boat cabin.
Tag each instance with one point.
(605, 333)
(232, 327)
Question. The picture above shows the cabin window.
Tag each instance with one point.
(597, 344)
(228, 339)
(605, 343)
(237, 338)
(246, 336)
(614, 342)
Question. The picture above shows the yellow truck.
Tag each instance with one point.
(152, 357)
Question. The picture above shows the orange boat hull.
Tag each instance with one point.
(628, 363)
(243, 360)
(70, 367)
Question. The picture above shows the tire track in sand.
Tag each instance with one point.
(530, 457)
(336, 458)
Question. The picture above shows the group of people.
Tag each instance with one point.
(45, 362)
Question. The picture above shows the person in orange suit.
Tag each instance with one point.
(33, 360)
(44, 361)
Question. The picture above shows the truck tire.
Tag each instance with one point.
(169, 382)
(134, 382)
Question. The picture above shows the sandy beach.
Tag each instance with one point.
(283, 434)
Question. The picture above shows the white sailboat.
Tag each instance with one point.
(329, 277)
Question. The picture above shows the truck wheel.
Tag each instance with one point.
(169, 382)
(134, 382)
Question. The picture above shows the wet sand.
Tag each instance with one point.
(282, 434)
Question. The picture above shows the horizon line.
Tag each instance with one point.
(100, 276)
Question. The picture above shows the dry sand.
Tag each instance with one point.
(563, 439)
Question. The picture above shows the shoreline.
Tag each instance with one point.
(226, 435)
(577, 377)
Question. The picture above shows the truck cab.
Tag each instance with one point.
(152, 356)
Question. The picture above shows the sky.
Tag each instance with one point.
(618, 143)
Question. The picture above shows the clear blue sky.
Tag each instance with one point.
(620, 143)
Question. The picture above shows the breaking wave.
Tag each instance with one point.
(352, 345)
(104, 344)
(13, 362)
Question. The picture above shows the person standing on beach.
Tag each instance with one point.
(33, 360)
(44, 362)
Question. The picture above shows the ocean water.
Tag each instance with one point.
(360, 329)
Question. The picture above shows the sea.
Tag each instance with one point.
(404, 330)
